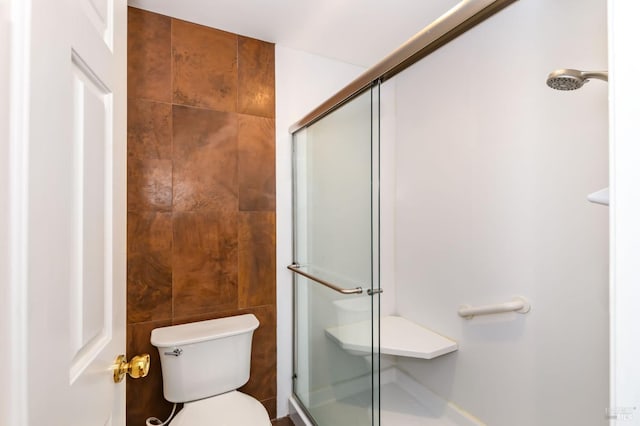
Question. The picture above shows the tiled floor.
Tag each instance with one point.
(285, 421)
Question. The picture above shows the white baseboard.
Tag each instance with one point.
(433, 402)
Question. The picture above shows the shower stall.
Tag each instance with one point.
(336, 262)
(448, 268)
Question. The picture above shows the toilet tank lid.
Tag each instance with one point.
(201, 331)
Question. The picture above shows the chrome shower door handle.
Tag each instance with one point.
(296, 268)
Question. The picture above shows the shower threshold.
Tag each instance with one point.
(403, 402)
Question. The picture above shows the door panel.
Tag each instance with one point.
(75, 157)
(99, 13)
(91, 285)
(336, 241)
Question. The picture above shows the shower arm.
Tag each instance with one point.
(600, 75)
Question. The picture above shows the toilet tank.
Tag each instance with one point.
(205, 358)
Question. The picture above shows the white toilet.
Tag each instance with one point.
(203, 363)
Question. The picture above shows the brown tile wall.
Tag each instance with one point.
(201, 192)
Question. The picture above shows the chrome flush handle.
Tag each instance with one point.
(175, 352)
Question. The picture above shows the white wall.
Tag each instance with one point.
(387, 198)
(15, 29)
(493, 169)
(303, 81)
(625, 210)
(5, 225)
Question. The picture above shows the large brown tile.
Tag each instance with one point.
(256, 259)
(271, 406)
(256, 163)
(149, 186)
(256, 77)
(205, 160)
(144, 396)
(148, 287)
(205, 66)
(149, 237)
(262, 383)
(149, 232)
(205, 262)
(149, 56)
(148, 130)
(284, 421)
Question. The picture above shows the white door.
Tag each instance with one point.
(67, 211)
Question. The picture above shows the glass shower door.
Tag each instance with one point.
(336, 284)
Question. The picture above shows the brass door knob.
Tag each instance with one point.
(137, 367)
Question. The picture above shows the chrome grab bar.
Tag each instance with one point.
(518, 304)
(296, 268)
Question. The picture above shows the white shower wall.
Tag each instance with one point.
(492, 170)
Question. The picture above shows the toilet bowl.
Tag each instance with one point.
(229, 409)
(203, 364)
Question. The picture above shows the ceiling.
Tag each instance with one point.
(359, 32)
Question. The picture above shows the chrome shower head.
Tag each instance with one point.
(568, 79)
